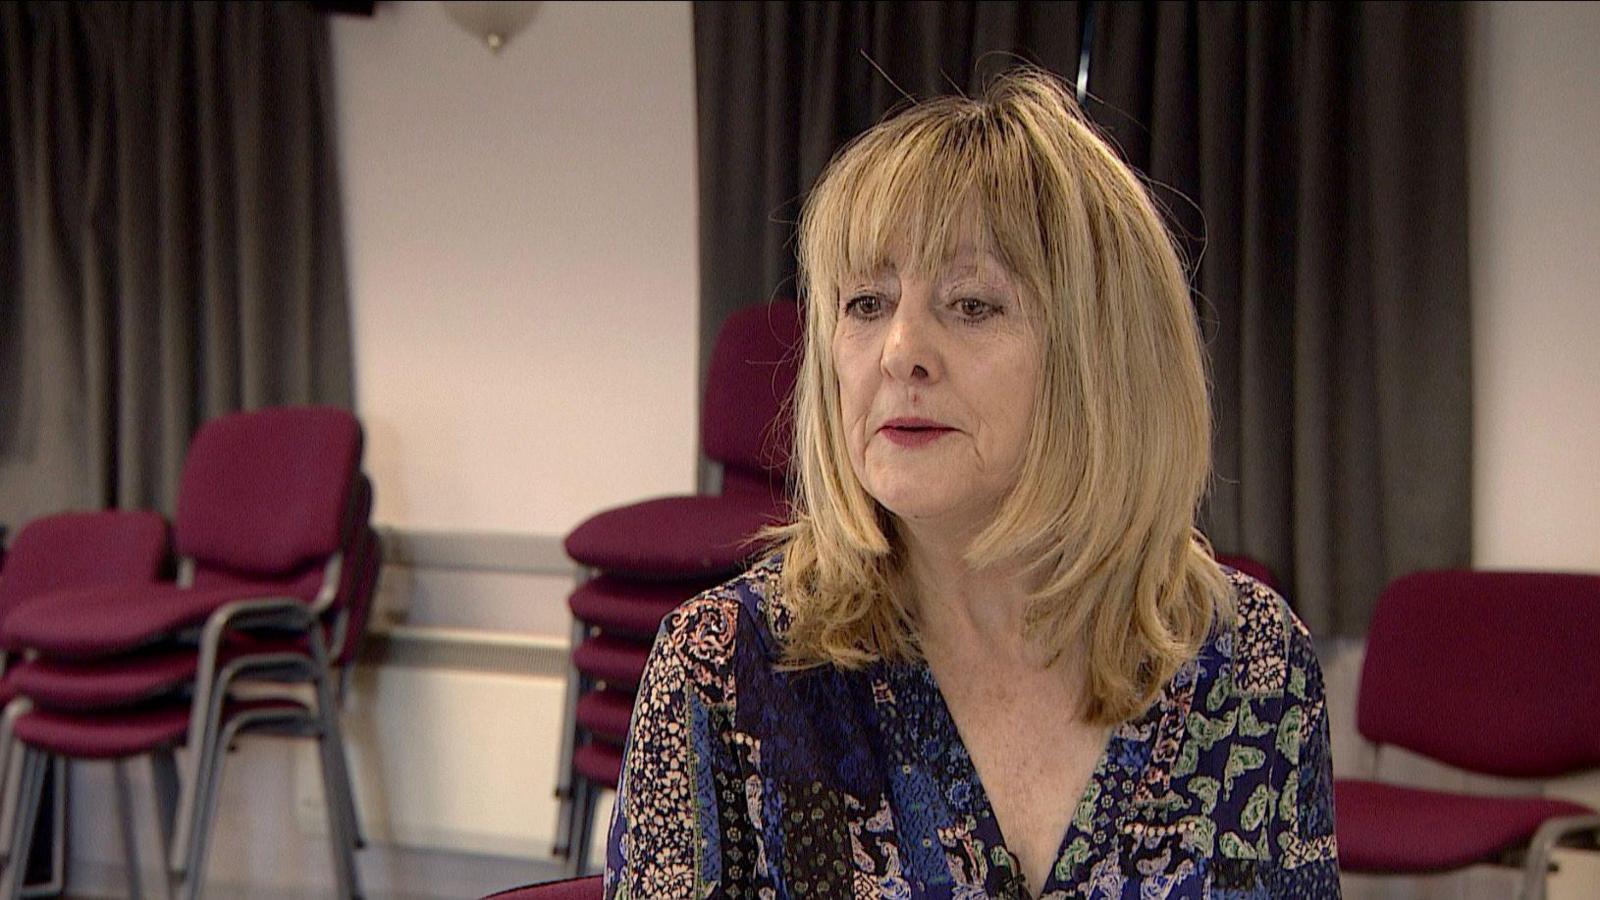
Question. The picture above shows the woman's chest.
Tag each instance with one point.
(901, 848)
(892, 805)
(1033, 762)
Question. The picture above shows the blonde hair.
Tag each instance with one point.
(1102, 515)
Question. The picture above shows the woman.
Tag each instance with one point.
(991, 657)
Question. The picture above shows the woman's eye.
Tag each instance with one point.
(975, 310)
(865, 306)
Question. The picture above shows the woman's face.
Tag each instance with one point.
(937, 378)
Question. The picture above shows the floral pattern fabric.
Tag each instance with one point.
(744, 781)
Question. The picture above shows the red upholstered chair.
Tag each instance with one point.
(1490, 672)
(651, 556)
(274, 543)
(64, 552)
(591, 888)
(743, 428)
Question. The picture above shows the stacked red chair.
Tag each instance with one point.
(1489, 672)
(65, 552)
(642, 560)
(277, 566)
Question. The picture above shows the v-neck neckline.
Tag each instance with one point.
(1104, 787)
(946, 721)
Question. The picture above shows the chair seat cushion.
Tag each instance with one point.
(616, 661)
(1385, 828)
(600, 763)
(605, 714)
(100, 622)
(125, 732)
(628, 606)
(674, 537)
(126, 679)
(589, 888)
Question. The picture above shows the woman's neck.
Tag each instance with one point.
(962, 609)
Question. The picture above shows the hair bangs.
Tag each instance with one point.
(919, 195)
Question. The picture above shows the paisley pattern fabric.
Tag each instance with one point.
(743, 781)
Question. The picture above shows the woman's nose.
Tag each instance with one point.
(910, 350)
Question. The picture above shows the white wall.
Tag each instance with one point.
(522, 250)
(1535, 146)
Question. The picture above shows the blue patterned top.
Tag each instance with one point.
(744, 781)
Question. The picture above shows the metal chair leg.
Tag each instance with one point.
(204, 817)
(164, 784)
(347, 791)
(10, 768)
(209, 697)
(585, 823)
(205, 722)
(339, 838)
(130, 845)
(569, 742)
(197, 807)
(58, 834)
(335, 777)
(582, 800)
(30, 782)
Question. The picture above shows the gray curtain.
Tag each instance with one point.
(780, 86)
(170, 238)
(1314, 157)
(1310, 156)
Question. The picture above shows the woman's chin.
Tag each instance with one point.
(931, 516)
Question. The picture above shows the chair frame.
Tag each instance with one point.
(322, 723)
(1536, 870)
(10, 773)
(290, 613)
(211, 685)
(194, 802)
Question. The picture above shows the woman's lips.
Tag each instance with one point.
(913, 432)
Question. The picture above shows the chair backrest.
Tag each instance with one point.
(265, 494)
(76, 550)
(745, 423)
(1493, 672)
(1252, 567)
(346, 597)
(590, 888)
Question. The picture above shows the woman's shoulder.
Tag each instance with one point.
(1266, 648)
(739, 616)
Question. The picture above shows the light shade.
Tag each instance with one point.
(494, 22)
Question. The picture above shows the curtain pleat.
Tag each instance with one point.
(172, 243)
